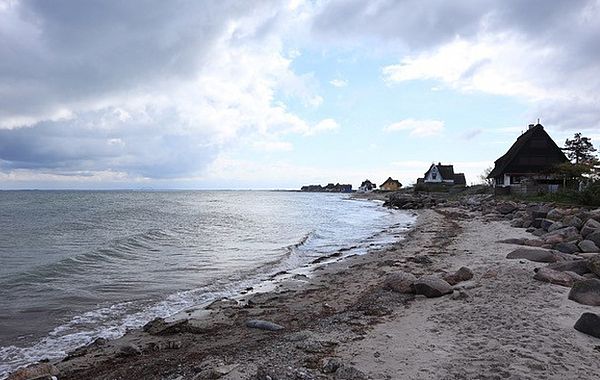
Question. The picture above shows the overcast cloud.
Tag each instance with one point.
(153, 89)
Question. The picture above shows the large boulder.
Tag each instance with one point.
(594, 214)
(555, 226)
(589, 323)
(593, 264)
(432, 286)
(576, 266)
(539, 255)
(588, 246)
(567, 234)
(567, 247)
(463, 274)
(595, 237)
(400, 282)
(506, 207)
(572, 221)
(538, 211)
(590, 226)
(554, 277)
(586, 292)
(546, 223)
(555, 214)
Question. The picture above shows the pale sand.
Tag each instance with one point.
(510, 326)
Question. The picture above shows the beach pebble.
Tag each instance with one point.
(129, 350)
(263, 325)
(35, 371)
(432, 286)
(400, 282)
(586, 292)
(330, 365)
(589, 323)
(463, 274)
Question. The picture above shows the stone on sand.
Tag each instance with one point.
(578, 266)
(567, 247)
(595, 237)
(506, 207)
(539, 255)
(400, 282)
(263, 325)
(463, 274)
(589, 323)
(432, 286)
(586, 292)
(554, 277)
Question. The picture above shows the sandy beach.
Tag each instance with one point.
(345, 323)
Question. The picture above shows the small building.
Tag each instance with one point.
(367, 186)
(439, 174)
(527, 166)
(390, 185)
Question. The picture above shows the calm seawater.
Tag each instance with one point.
(77, 265)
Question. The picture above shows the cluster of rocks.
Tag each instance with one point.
(429, 286)
(568, 240)
(412, 201)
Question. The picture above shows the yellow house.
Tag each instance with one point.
(390, 185)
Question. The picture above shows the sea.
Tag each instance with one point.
(79, 265)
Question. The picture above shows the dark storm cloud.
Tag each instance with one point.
(140, 149)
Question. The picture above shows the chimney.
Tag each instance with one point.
(531, 126)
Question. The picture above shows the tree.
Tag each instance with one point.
(580, 150)
(484, 177)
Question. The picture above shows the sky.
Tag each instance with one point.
(153, 94)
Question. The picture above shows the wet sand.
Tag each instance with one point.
(343, 324)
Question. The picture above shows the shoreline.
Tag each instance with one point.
(343, 322)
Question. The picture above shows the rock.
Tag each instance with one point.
(590, 226)
(586, 292)
(517, 241)
(349, 373)
(459, 295)
(555, 214)
(539, 255)
(129, 350)
(546, 223)
(554, 277)
(533, 242)
(400, 282)
(159, 326)
(506, 207)
(594, 214)
(595, 237)
(567, 234)
(588, 246)
(517, 223)
(555, 226)
(215, 372)
(35, 371)
(593, 265)
(432, 286)
(330, 365)
(538, 232)
(576, 266)
(589, 323)
(567, 247)
(463, 274)
(573, 221)
(263, 325)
